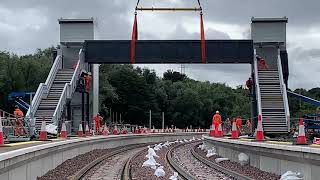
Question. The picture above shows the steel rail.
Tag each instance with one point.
(175, 166)
(83, 171)
(126, 172)
(217, 167)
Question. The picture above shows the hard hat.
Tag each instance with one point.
(217, 112)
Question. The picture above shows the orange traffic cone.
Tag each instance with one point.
(87, 130)
(219, 133)
(259, 133)
(234, 131)
(1, 133)
(105, 131)
(301, 139)
(212, 131)
(115, 131)
(80, 131)
(136, 130)
(63, 132)
(43, 132)
(124, 131)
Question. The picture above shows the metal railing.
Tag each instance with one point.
(43, 88)
(256, 79)
(284, 92)
(53, 71)
(69, 89)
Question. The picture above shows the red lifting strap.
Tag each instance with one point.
(134, 38)
(203, 41)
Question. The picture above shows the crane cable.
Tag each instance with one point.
(134, 36)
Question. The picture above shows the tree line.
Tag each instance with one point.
(133, 91)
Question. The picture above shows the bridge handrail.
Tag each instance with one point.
(283, 91)
(69, 89)
(256, 79)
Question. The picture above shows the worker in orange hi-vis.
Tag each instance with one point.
(87, 79)
(239, 124)
(261, 63)
(98, 120)
(18, 129)
(216, 120)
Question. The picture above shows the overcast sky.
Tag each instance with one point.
(26, 25)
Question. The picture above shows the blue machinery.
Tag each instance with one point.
(312, 121)
(304, 98)
(18, 97)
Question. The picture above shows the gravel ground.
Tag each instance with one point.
(184, 158)
(246, 170)
(111, 168)
(71, 166)
(146, 173)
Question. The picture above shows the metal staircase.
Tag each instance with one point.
(52, 96)
(272, 100)
(48, 105)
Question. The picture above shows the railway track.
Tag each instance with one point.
(216, 166)
(121, 152)
(186, 174)
(124, 156)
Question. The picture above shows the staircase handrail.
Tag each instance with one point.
(68, 90)
(77, 73)
(44, 87)
(53, 71)
(284, 92)
(36, 100)
(256, 79)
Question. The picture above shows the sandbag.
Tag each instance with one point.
(218, 160)
(151, 152)
(174, 176)
(210, 153)
(289, 175)
(52, 129)
(159, 172)
(243, 159)
(151, 162)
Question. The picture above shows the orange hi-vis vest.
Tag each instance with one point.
(239, 122)
(18, 113)
(97, 119)
(216, 119)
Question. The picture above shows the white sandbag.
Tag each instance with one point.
(210, 153)
(159, 172)
(243, 159)
(289, 175)
(148, 163)
(151, 152)
(185, 140)
(52, 129)
(151, 162)
(181, 141)
(157, 147)
(174, 176)
(218, 160)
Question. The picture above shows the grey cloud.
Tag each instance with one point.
(114, 21)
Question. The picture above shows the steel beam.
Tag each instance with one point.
(168, 51)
